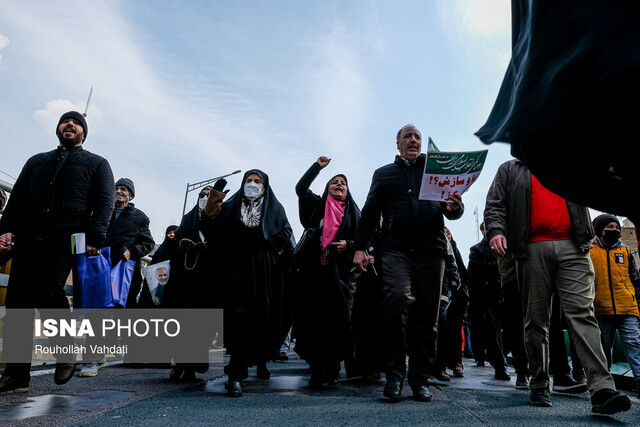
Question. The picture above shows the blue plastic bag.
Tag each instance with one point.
(92, 280)
(121, 275)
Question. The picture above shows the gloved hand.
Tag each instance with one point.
(220, 184)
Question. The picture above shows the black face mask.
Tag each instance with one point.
(611, 236)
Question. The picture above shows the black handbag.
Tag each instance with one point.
(305, 244)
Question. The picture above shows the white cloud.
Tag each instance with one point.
(339, 92)
(4, 41)
(481, 27)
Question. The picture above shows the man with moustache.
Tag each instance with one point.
(129, 238)
(58, 193)
(413, 249)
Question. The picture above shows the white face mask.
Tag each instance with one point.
(252, 191)
(202, 202)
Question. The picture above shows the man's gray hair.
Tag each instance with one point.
(405, 127)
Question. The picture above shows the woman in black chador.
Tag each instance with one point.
(255, 234)
(325, 285)
(191, 284)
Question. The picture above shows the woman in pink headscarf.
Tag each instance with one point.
(322, 324)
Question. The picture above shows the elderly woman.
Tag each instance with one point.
(255, 234)
(326, 288)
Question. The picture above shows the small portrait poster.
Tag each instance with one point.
(157, 276)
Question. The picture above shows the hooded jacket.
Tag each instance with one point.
(614, 268)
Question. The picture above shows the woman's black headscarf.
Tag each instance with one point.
(273, 218)
(351, 212)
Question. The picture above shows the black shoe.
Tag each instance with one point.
(371, 377)
(9, 385)
(315, 381)
(458, 373)
(480, 363)
(189, 375)
(234, 389)
(393, 390)
(565, 383)
(281, 357)
(176, 374)
(64, 372)
(421, 393)
(579, 376)
(540, 397)
(333, 379)
(609, 401)
(502, 375)
(262, 372)
(522, 382)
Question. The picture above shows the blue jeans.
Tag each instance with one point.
(627, 327)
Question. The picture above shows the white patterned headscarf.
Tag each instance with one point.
(251, 212)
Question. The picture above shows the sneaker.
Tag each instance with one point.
(89, 370)
(609, 401)
(101, 364)
(566, 384)
(9, 385)
(442, 376)
(540, 398)
(522, 382)
(502, 375)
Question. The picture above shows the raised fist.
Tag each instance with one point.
(323, 161)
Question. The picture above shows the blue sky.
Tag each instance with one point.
(189, 90)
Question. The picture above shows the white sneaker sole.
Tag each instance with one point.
(15, 391)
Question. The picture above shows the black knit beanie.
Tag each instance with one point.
(75, 115)
(601, 221)
(126, 182)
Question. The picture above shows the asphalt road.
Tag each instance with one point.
(145, 396)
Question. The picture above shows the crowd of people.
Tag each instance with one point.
(368, 289)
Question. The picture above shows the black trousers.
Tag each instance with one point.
(39, 271)
(411, 289)
(513, 327)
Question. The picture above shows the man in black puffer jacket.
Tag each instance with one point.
(413, 250)
(65, 191)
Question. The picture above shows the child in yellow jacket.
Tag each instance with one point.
(615, 303)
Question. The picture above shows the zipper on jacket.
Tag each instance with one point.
(613, 300)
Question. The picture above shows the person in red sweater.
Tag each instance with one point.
(550, 238)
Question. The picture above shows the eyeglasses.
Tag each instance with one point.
(203, 194)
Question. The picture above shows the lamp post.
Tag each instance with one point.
(191, 187)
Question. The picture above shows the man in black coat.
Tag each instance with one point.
(58, 193)
(413, 249)
(129, 237)
(486, 301)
